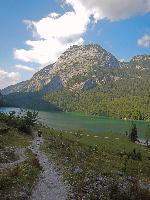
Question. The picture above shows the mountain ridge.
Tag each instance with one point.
(83, 61)
(76, 60)
(91, 80)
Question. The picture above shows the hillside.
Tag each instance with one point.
(59, 163)
(31, 100)
(102, 166)
(89, 79)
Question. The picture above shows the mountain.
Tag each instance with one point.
(14, 88)
(89, 79)
(77, 61)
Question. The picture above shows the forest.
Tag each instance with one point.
(125, 99)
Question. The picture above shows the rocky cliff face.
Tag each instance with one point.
(81, 60)
(77, 61)
(54, 85)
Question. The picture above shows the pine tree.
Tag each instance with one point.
(133, 134)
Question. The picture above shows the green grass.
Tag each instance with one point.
(113, 148)
(14, 138)
(84, 158)
(17, 182)
(97, 166)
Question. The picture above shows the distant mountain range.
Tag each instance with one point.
(87, 72)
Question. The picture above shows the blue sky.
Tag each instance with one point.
(34, 33)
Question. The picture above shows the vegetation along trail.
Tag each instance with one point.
(70, 165)
(22, 157)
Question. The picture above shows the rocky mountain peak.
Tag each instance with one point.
(76, 61)
(79, 60)
(91, 54)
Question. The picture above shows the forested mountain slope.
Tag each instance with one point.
(90, 79)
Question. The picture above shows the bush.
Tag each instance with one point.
(24, 121)
(135, 155)
(27, 121)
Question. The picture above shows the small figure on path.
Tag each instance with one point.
(39, 133)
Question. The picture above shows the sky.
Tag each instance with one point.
(34, 33)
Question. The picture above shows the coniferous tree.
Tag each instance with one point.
(133, 134)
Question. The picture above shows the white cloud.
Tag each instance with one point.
(55, 33)
(7, 78)
(44, 51)
(117, 9)
(144, 41)
(54, 15)
(25, 68)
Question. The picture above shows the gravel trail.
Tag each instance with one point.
(49, 185)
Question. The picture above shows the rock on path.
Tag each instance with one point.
(49, 185)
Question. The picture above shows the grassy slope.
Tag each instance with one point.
(84, 158)
(16, 183)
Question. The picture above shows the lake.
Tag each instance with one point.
(74, 121)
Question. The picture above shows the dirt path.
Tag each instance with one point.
(22, 158)
(49, 185)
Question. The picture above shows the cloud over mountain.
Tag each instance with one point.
(25, 68)
(53, 34)
(8, 78)
(144, 41)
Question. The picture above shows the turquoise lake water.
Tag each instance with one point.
(74, 121)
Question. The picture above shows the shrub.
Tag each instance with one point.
(27, 121)
(24, 121)
(135, 155)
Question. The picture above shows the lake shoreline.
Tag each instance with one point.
(79, 121)
(78, 114)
